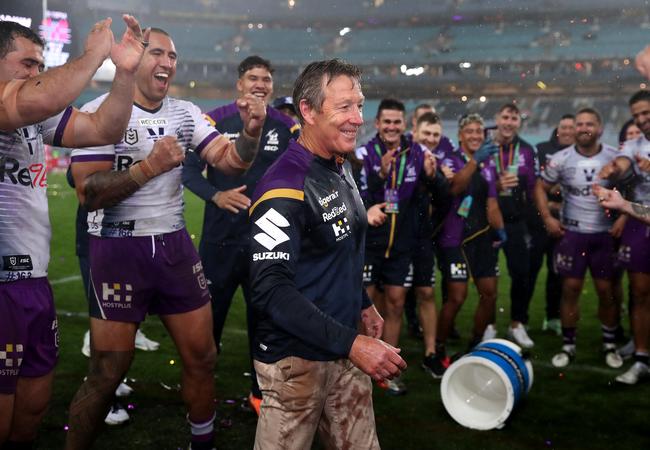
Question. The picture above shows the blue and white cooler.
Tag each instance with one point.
(481, 389)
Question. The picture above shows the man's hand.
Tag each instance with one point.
(376, 215)
(487, 149)
(501, 238)
(232, 200)
(643, 163)
(166, 154)
(386, 161)
(642, 62)
(608, 171)
(430, 164)
(100, 39)
(608, 198)
(252, 111)
(373, 324)
(127, 54)
(553, 227)
(447, 171)
(376, 358)
(507, 180)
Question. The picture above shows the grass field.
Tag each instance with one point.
(577, 408)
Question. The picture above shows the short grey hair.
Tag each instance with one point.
(309, 84)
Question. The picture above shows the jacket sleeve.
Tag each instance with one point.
(193, 178)
(277, 226)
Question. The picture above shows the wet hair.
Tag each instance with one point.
(12, 30)
(640, 96)
(567, 116)
(428, 117)
(623, 133)
(509, 107)
(591, 111)
(470, 118)
(309, 85)
(252, 62)
(392, 104)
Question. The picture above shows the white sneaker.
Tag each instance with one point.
(520, 337)
(563, 358)
(117, 415)
(634, 374)
(123, 390)
(612, 358)
(626, 351)
(85, 348)
(142, 342)
(489, 333)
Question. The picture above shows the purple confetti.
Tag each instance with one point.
(66, 428)
(230, 401)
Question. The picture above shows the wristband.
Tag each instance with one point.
(138, 175)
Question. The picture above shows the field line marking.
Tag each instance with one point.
(66, 279)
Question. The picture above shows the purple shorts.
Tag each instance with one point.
(29, 337)
(634, 251)
(578, 251)
(133, 276)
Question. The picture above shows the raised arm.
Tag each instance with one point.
(25, 102)
(107, 124)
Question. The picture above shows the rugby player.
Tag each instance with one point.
(141, 258)
(225, 238)
(28, 326)
(517, 170)
(634, 251)
(466, 247)
(393, 166)
(585, 232)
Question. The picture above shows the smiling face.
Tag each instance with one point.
(588, 130)
(428, 134)
(508, 122)
(471, 137)
(23, 61)
(257, 81)
(641, 115)
(390, 125)
(566, 132)
(333, 130)
(156, 71)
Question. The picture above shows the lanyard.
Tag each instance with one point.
(402, 165)
(514, 158)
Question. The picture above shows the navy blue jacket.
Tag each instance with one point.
(308, 228)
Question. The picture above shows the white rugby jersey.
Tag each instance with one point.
(639, 147)
(24, 221)
(157, 207)
(576, 173)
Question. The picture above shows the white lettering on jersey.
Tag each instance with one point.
(270, 223)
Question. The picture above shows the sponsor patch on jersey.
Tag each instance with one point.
(341, 229)
(17, 262)
(324, 201)
(270, 223)
(152, 122)
(334, 212)
(270, 255)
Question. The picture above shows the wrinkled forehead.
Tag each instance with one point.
(342, 87)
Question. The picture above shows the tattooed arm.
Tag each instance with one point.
(98, 186)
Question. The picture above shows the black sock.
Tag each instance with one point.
(642, 358)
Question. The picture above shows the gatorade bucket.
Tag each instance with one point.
(481, 389)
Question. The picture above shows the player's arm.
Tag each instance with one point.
(612, 199)
(98, 186)
(25, 102)
(552, 225)
(462, 178)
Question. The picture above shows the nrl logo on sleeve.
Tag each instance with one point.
(131, 136)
